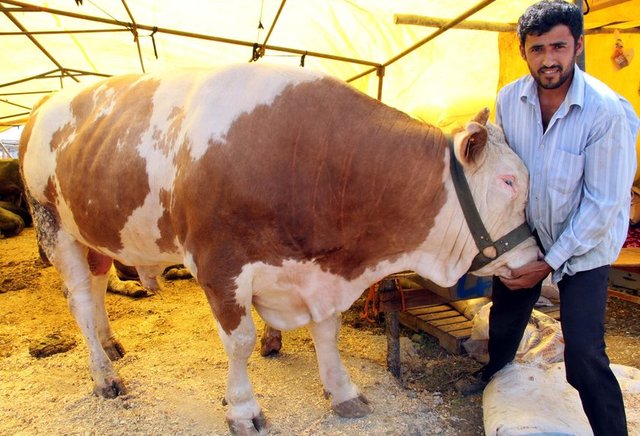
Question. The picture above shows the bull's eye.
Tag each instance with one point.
(509, 182)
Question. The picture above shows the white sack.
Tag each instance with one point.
(528, 400)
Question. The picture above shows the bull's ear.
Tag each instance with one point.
(469, 144)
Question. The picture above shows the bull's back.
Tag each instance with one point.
(106, 157)
(289, 163)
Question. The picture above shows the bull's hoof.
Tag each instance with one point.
(114, 349)
(270, 346)
(354, 408)
(112, 388)
(177, 273)
(129, 288)
(245, 427)
(270, 342)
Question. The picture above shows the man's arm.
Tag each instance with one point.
(610, 165)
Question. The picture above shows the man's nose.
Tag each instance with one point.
(548, 59)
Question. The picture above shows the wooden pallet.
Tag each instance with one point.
(440, 321)
(449, 326)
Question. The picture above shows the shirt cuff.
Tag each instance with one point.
(556, 256)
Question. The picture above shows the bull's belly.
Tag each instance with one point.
(139, 246)
(297, 293)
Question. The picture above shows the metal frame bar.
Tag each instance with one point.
(4, 149)
(273, 25)
(134, 30)
(4, 100)
(434, 35)
(19, 25)
(61, 32)
(188, 34)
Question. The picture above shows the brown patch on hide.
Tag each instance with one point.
(60, 136)
(102, 177)
(325, 173)
(166, 138)
(50, 192)
(166, 242)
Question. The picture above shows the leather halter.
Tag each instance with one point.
(489, 250)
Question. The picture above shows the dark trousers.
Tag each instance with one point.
(583, 301)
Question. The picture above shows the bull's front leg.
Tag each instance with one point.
(346, 399)
(244, 415)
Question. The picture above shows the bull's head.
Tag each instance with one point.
(494, 207)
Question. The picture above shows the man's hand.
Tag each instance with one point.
(527, 275)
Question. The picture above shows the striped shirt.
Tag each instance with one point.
(581, 169)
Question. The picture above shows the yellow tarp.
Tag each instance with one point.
(444, 81)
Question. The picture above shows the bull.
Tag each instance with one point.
(278, 188)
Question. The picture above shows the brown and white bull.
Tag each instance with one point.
(280, 188)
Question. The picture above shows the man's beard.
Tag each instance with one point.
(564, 76)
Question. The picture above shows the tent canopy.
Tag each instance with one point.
(438, 74)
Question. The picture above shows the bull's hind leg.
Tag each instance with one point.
(346, 399)
(85, 296)
(110, 344)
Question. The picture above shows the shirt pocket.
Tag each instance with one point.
(566, 172)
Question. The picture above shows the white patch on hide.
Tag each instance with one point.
(294, 294)
(39, 162)
(219, 97)
(140, 233)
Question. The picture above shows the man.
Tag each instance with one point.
(577, 138)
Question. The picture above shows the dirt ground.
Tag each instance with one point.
(175, 367)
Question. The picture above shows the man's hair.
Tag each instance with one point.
(541, 17)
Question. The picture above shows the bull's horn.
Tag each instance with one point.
(482, 117)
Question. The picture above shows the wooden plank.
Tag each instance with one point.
(439, 315)
(447, 321)
(409, 321)
(624, 296)
(392, 301)
(628, 257)
(450, 328)
(447, 341)
(461, 334)
(423, 310)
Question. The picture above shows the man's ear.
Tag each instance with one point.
(580, 45)
(522, 53)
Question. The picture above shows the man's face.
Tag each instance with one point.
(551, 56)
